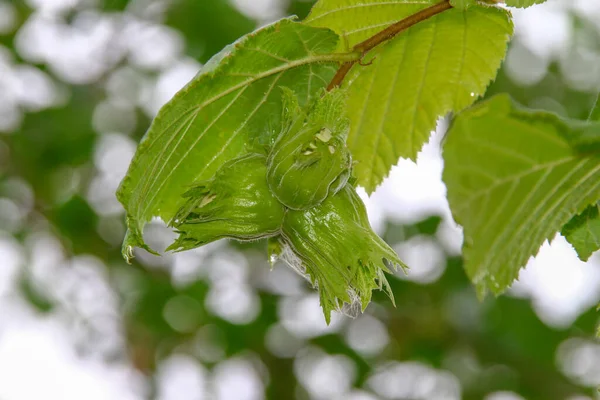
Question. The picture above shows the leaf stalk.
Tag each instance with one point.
(385, 35)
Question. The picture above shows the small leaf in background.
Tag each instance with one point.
(587, 134)
(513, 181)
(230, 108)
(440, 65)
(583, 232)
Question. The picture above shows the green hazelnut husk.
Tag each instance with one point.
(341, 254)
(235, 203)
(310, 161)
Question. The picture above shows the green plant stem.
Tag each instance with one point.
(385, 35)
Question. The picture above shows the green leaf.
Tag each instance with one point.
(231, 108)
(440, 65)
(462, 4)
(523, 3)
(583, 232)
(357, 20)
(513, 181)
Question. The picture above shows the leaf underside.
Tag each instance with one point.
(513, 181)
(440, 65)
(231, 108)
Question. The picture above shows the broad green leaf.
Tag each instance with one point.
(523, 3)
(583, 232)
(232, 107)
(440, 65)
(513, 181)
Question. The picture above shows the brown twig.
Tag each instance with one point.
(385, 35)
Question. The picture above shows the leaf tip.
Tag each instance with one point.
(132, 240)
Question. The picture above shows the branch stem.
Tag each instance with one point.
(384, 36)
